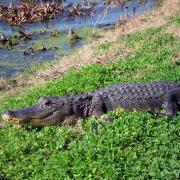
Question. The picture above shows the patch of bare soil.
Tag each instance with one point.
(174, 29)
(87, 54)
(155, 18)
(176, 58)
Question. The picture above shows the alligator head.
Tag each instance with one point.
(48, 111)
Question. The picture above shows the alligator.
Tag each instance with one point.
(63, 110)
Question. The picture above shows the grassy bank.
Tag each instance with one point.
(136, 145)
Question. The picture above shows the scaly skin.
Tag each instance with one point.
(57, 110)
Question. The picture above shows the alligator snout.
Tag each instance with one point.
(9, 117)
(7, 114)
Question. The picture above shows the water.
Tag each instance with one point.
(13, 61)
(7, 1)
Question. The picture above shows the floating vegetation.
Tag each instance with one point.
(7, 42)
(55, 33)
(30, 12)
(11, 41)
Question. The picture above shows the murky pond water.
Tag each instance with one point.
(13, 61)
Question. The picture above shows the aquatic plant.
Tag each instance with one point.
(32, 12)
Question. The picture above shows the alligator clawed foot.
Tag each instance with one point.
(109, 119)
(95, 126)
(102, 124)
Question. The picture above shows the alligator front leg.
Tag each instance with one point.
(98, 107)
(172, 103)
(70, 120)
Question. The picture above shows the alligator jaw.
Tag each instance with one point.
(10, 119)
(36, 121)
(7, 118)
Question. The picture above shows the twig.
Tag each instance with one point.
(104, 13)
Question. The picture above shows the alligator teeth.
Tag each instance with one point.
(11, 120)
(15, 121)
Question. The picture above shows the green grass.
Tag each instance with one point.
(176, 20)
(135, 146)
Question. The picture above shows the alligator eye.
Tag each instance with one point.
(47, 103)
